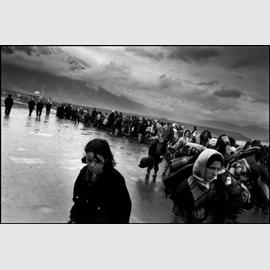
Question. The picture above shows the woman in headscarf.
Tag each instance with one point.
(201, 198)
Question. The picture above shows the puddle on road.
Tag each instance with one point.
(41, 134)
(71, 168)
(87, 133)
(27, 160)
(43, 208)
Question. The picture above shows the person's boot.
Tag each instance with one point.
(147, 174)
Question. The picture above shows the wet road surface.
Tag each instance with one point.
(40, 163)
(41, 160)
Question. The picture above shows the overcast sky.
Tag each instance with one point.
(194, 84)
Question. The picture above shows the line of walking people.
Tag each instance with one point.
(40, 104)
(212, 181)
(209, 180)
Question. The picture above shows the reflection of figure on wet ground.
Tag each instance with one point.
(48, 107)
(39, 108)
(100, 194)
(156, 150)
(31, 105)
(8, 104)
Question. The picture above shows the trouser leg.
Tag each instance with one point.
(148, 172)
(155, 171)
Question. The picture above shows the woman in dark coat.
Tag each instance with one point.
(31, 106)
(100, 194)
(206, 196)
(8, 104)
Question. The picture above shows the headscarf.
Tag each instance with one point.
(199, 166)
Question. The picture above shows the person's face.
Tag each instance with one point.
(227, 151)
(212, 171)
(95, 163)
(241, 173)
(205, 134)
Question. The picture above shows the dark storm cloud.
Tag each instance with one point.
(228, 93)
(145, 53)
(26, 49)
(264, 100)
(194, 54)
(207, 101)
(211, 83)
(7, 49)
(245, 56)
(166, 82)
(45, 51)
(252, 56)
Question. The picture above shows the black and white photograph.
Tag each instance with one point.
(135, 134)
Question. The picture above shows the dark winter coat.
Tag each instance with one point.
(48, 106)
(31, 104)
(198, 200)
(118, 123)
(142, 127)
(40, 106)
(156, 152)
(104, 201)
(218, 204)
(8, 102)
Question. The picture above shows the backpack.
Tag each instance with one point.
(190, 149)
(146, 162)
(172, 181)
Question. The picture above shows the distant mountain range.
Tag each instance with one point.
(67, 90)
(63, 89)
(253, 132)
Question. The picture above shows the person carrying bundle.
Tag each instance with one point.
(156, 151)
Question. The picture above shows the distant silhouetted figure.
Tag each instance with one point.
(31, 106)
(8, 104)
(39, 108)
(48, 107)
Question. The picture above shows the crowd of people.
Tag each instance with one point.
(214, 179)
(209, 180)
